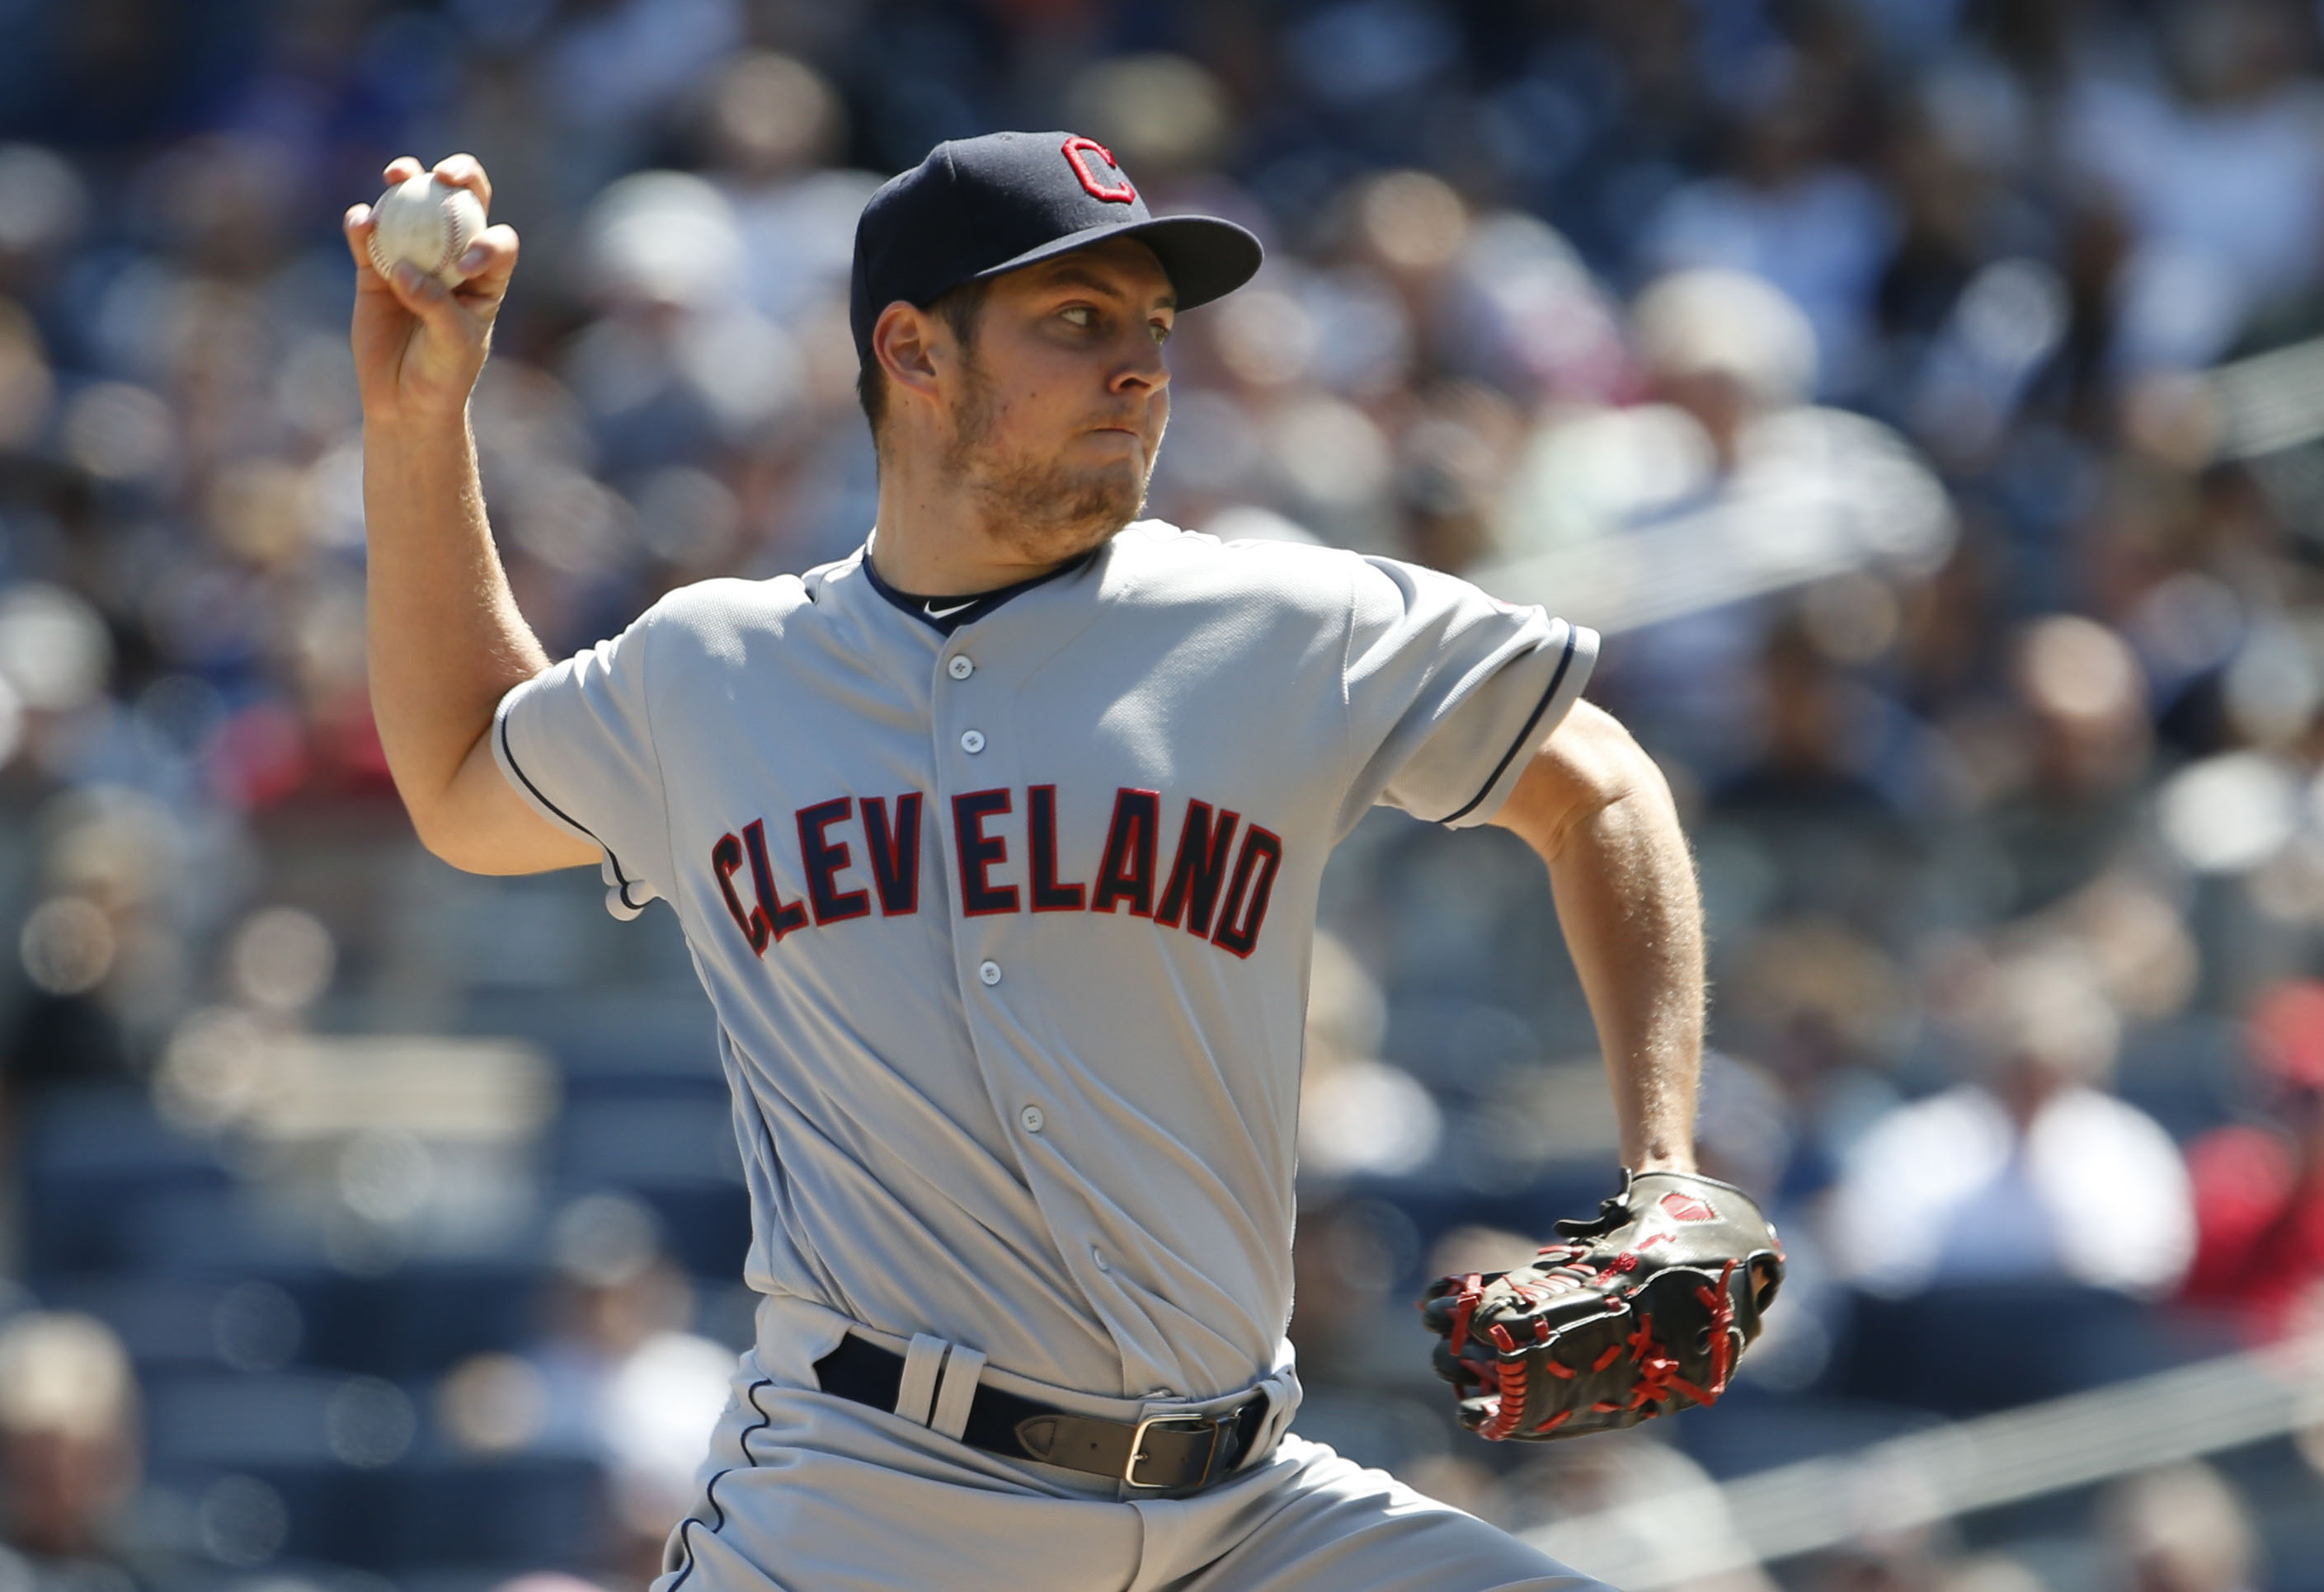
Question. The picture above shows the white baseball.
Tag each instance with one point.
(428, 222)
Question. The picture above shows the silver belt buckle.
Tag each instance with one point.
(1137, 1445)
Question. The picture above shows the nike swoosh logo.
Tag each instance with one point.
(933, 611)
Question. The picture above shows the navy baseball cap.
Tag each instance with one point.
(979, 207)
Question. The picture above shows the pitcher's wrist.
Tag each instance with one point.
(417, 427)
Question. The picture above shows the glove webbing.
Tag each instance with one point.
(1658, 1370)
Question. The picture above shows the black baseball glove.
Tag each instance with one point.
(1644, 1310)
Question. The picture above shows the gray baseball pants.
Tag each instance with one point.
(806, 1492)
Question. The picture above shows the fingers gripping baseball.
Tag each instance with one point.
(461, 170)
(422, 326)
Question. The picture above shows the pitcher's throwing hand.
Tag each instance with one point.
(419, 342)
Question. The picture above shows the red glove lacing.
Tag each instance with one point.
(1659, 1377)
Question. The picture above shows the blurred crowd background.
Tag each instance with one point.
(1877, 372)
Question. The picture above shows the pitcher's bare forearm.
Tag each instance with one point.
(445, 640)
(1600, 814)
(446, 644)
(1626, 900)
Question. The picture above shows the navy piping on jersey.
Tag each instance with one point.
(710, 1488)
(620, 879)
(947, 614)
(1524, 734)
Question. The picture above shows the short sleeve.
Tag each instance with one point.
(1446, 688)
(576, 741)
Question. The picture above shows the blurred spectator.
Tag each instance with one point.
(1908, 1560)
(65, 1032)
(1822, 1010)
(1820, 761)
(2217, 160)
(1988, 1572)
(618, 1377)
(102, 952)
(2059, 769)
(2259, 1188)
(613, 70)
(1718, 349)
(1356, 1113)
(69, 1452)
(1790, 212)
(775, 126)
(2183, 1529)
(1727, 482)
(2030, 1171)
(1624, 1489)
(1512, 305)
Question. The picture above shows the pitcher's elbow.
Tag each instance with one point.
(443, 838)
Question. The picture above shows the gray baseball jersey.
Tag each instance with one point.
(1005, 906)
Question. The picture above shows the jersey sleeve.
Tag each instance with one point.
(1447, 688)
(576, 743)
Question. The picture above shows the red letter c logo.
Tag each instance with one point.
(1077, 151)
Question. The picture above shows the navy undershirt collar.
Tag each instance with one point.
(947, 614)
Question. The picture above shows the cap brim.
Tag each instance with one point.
(1206, 258)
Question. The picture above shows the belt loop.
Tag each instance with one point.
(1284, 1397)
(961, 1372)
(923, 1364)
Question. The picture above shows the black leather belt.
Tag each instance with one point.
(1160, 1454)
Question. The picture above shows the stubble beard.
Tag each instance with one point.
(1042, 510)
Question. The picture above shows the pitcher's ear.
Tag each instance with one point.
(903, 342)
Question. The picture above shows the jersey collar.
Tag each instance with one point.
(947, 614)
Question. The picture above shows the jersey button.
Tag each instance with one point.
(961, 666)
(990, 971)
(971, 741)
(1098, 1259)
(1031, 1120)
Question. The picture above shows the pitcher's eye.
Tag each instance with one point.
(1161, 331)
(1081, 315)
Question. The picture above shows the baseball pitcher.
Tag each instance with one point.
(997, 846)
